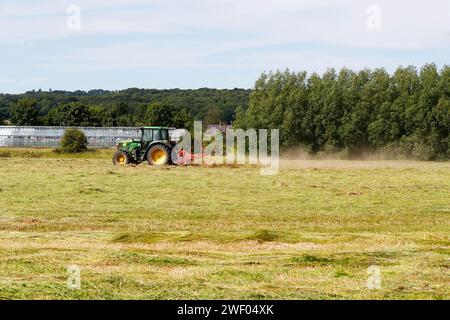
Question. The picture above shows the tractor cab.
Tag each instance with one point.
(151, 134)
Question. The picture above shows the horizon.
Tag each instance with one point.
(51, 90)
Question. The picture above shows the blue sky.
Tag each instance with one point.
(117, 44)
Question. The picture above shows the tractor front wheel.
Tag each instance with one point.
(121, 158)
(158, 155)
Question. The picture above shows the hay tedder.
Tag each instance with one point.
(154, 146)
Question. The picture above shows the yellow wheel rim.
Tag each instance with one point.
(121, 159)
(158, 157)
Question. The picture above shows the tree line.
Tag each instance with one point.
(407, 112)
(130, 107)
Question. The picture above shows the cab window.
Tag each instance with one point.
(156, 135)
(148, 135)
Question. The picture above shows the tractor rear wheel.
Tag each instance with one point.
(121, 158)
(158, 155)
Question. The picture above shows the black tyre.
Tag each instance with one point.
(121, 158)
(158, 155)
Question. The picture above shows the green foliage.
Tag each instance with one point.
(407, 113)
(213, 116)
(159, 114)
(116, 116)
(24, 112)
(163, 114)
(182, 119)
(71, 114)
(73, 141)
(128, 107)
(278, 101)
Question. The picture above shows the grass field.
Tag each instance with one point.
(309, 232)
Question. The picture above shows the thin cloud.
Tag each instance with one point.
(404, 23)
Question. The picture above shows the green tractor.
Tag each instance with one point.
(154, 146)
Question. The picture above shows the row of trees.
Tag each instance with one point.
(25, 113)
(407, 112)
(121, 108)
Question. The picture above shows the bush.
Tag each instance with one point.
(74, 141)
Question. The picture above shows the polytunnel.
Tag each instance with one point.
(13, 136)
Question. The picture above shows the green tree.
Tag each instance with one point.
(277, 102)
(183, 120)
(117, 115)
(24, 112)
(97, 114)
(70, 114)
(73, 141)
(387, 125)
(327, 110)
(311, 117)
(405, 93)
(4, 110)
(444, 83)
(374, 88)
(159, 114)
(213, 116)
(354, 122)
(439, 137)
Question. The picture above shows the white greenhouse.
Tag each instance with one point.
(11, 136)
